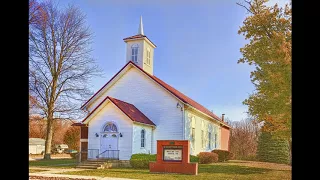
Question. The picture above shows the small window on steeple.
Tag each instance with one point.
(134, 54)
(148, 56)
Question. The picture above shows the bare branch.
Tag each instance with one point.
(248, 9)
(60, 63)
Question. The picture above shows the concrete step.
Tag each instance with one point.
(89, 162)
(97, 160)
(94, 165)
(86, 167)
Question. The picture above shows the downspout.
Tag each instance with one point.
(152, 132)
(183, 123)
(79, 160)
(132, 138)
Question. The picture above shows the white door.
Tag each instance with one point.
(109, 141)
(109, 145)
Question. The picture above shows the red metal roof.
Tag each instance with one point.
(185, 98)
(78, 124)
(180, 95)
(129, 109)
(137, 37)
(105, 85)
(175, 92)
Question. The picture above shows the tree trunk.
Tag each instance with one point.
(47, 154)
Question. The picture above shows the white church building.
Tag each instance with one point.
(135, 108)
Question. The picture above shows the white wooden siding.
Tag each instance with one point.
(196, 146)
(111, 113)
(136, 140)
(151, 99)
(140, 43)
(148, 67)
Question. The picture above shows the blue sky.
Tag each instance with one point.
(197, 46)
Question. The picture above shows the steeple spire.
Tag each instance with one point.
(140, 31)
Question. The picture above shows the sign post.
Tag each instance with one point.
(173, 157)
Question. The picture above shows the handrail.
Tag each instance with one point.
(109, 154)
(92, 152)
(101, 153)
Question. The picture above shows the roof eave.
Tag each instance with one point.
(126, 113)
(107, 100)
(97, 94)
(144, 124)
(218, 121)
(141, 38)
(87, 119)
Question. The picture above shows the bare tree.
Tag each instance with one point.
(244, 138)
(60, 128)
(35, 12)
(37, 127)
(60, 65)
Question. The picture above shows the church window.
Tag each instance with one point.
(209, 136)
(202, 138)
(143, 138)
(134, 53)
(215, 140)
(110, 127)
(193, 133)
(148, 56)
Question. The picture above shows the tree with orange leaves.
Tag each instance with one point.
(268, 29)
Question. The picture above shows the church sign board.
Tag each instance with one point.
(172, 153)
(173, 157)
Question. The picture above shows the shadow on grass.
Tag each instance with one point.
(125, 170)
(231, 169)
(211, 169)
(53, 162)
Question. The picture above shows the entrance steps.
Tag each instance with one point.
(103, 164)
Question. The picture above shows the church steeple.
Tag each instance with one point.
(140, 31)
(140, 50)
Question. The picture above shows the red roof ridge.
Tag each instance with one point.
(188, 100)
(128, 109)
(180, 95)
(138, 36)
(135, 36)
(105, 84)
(112, 98)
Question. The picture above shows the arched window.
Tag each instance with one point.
(215, 140)
(134, 53)
(193, 128)
(110, 127)
(209, 136)
(148, 56)
(143, 135)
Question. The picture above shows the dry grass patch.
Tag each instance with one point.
(217, 171)
(36, 170)
(56, 163)
(266, 165)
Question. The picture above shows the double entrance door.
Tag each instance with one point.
(109, 146)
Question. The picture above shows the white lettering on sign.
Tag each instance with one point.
(172, 155)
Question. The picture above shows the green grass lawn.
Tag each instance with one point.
(57, 163)
(36, 170)
(215, 171)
